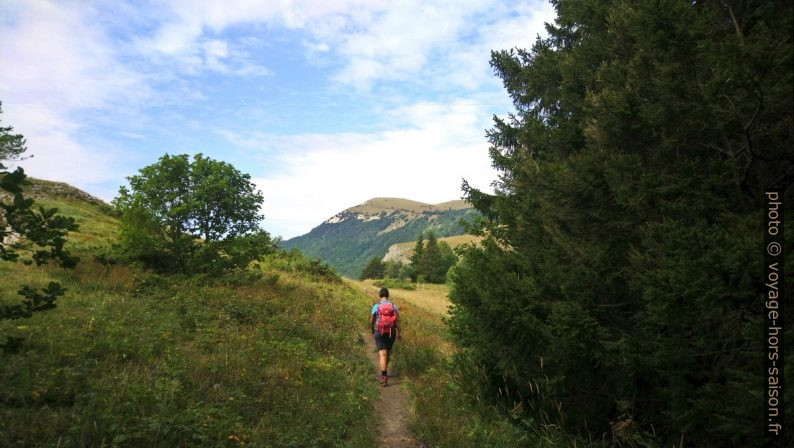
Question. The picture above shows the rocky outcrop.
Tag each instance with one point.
(398, 252)
(45, 189)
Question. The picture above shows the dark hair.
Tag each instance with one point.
(384, 292)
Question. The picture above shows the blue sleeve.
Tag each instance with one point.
(375, 308)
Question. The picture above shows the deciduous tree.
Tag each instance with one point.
(189, 215)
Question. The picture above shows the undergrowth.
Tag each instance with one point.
(267, 358)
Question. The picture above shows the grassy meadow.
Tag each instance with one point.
(428, 296)
(271, 357)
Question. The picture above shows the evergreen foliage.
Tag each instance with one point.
(191, 216)
(415, 266)
(430, 263)
(374, 269)
(431, 260)
(11, 145)
(395, 269)
(619, 281)
(448, 259)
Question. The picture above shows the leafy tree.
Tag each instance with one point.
(375, 268)
(619, 277)
(224, 202)
(38, 234)
(198, 215)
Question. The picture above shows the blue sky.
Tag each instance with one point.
(324, 103)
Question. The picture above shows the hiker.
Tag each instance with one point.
(384, 320)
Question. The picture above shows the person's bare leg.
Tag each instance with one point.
(384, 360)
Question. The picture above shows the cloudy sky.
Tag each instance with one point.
(325, 103)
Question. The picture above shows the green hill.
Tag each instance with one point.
(131, 358)
(350, 238)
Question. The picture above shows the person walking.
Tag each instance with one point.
(384, 321)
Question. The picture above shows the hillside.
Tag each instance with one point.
(132, 358)
(350, 238)
(95, 217)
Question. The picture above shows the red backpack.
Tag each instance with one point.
(387, 314)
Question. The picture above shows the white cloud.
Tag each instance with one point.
(451, 40)
(56, 52)
(180, 37)
(57, 63)
(423, 158)
(374, 41)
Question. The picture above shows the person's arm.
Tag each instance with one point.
(398, 325)
(372, 323)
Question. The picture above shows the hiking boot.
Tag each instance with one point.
(384, 379)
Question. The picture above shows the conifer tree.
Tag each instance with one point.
(431, 265)
(448, 257)
(624, 225)
(375, 268)
(416, 258)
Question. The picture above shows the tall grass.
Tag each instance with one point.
(159, 361)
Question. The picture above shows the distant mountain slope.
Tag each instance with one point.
(350, 238)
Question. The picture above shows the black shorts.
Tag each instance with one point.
(385, 341)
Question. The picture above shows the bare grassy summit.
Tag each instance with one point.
(379, 205)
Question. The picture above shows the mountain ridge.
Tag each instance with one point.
(379, 205)
(351, 237)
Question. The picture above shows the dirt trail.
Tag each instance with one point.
(392, 407)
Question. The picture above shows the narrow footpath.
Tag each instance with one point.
(392, 407)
